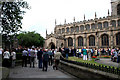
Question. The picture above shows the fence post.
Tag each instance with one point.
(99, 67)
(109, 69)
(102, 68)
(117, 70)
(106, 69)
(113, 69)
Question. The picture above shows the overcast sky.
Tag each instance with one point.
(43, 13)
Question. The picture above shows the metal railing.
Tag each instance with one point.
(108, 69)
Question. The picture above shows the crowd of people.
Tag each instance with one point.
(9, 58)
(88, 53)
(31, 56)
(44, 57)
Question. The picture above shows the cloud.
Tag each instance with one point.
(43, 13)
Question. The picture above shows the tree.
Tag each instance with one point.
(28, 39)
(11, 15)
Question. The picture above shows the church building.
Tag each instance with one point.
(94, 33)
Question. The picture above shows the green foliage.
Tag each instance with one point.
(19, 56)
(87, 61)
(12, 15)
(29, 39)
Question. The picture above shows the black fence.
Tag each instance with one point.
(108, 69)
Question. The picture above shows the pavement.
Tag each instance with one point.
(27, 72)
(107, 61)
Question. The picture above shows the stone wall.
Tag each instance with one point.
(86, 73)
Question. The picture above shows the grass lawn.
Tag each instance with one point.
(87, 61)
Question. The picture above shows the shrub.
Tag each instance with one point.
(18, 56)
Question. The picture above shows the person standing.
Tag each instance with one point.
(36, 50)
(89, 54)
(118, 58)
(96, 52)
(109, 51)
(99, 52)
(66, 52)
(115, 55)
(29, 49)
(13, 54)
(112, 54)
(6, 57)
(84, 53)
(32, 57)
(80, 53)
(92, 52)
(50, 57)
(77, 52)
(24, 57)
(39, 57)
(57, 56)
(45, 60)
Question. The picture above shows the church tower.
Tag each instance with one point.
(115, 5)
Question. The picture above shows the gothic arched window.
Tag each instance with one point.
(118, 22)
(81, 28)
(77, 28)
(99, 25)
(87, 27)
(70, 41)
(118, 9)
(80, 41)
(118, 39)
(105, 24)
(67, 29)
(72, 29)
(91, 40)
(105, 40)
(93, 26)
(59, 31)
(113, 23)
(63, 30)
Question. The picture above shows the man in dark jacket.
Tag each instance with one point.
(45, 59)
(67, 52)
(39, 56)
(24, 58)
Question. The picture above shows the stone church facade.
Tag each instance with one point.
(95, 33)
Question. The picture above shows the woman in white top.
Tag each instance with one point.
(6, 57)
(13, 54)
(36, 61)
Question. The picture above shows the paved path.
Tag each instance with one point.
(107, 61)
(26, 72)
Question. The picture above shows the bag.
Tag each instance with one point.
(82, 55)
